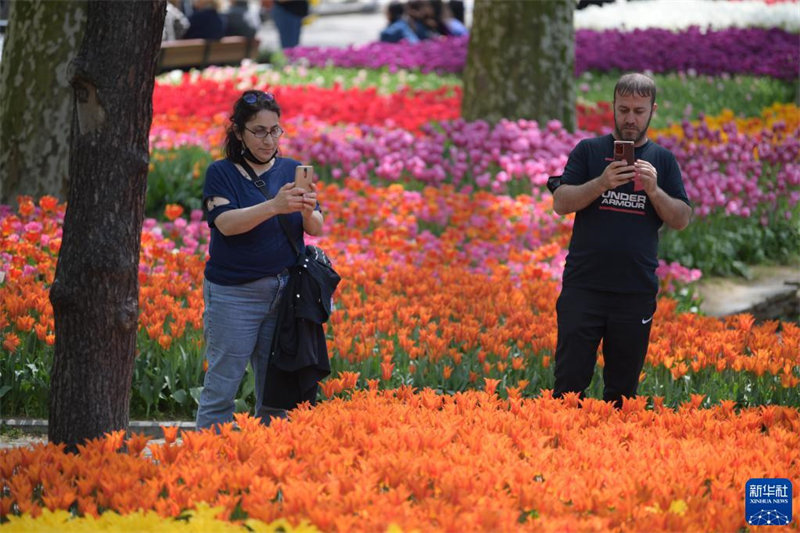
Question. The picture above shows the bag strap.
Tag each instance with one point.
(262, 186)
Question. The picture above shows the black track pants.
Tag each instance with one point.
(622, 321)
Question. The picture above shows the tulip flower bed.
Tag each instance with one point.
(449, 289)
(406, 108)
(419, 461)
(462, 153)
(746, 167)
(422, 203)
(682, 95)
(200, 519)
(764, 52)
(438, 415)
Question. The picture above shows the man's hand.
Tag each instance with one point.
(647, 176)
(616, 173)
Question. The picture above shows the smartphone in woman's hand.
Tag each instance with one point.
(303, 176)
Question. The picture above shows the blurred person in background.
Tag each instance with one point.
(421, 19)
(445, 22)
(433, 18)
(205, 22)
(457, 9)
(288, 16)
(241, 20)
(583, 4)
(398, 29)
(175, 23)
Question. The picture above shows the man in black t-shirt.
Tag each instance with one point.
(609, 285)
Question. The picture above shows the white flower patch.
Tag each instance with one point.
(681, 14)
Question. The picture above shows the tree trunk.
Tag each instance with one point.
(95, 292)
(521, 62)
(35, 97)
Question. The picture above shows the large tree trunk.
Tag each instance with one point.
(95, 292)
(520, 62)
(35, 97)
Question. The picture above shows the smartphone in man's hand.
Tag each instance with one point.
(623, 151)
(304, 176)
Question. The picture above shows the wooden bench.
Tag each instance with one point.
(200, 53)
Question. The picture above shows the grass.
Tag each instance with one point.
(11, 433)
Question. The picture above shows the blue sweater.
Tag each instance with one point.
(264, 250)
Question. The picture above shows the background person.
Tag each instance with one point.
(241, 20)
(288, 16)
(398, 28)
(609, 285)
(457, 9)
(443, 20)
(455, 25)
(205, 22)
(249, 252)
(175, 22)
(421, 19)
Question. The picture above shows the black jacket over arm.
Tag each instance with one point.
(299, 356)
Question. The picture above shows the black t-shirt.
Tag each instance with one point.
(615, 239)
(298, 8)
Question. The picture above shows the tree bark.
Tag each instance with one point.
(95, 292)
(35, 97)
(521, 62)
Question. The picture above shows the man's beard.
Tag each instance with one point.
(618, 133)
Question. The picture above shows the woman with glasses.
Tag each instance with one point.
(253, 209)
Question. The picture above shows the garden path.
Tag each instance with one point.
(772, 292)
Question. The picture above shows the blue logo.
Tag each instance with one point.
(768, 502)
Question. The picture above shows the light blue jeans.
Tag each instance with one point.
(238, 326)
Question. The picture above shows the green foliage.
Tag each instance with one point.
(681, 96)
(167, 381)
(722, 245)
(382, 79)
(11, 432)
(176, 177)
(25, 379)
(743, 387)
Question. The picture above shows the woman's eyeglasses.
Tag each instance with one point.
(260, 133)
(252, 97)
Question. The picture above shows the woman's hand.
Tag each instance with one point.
(288, 200)
(312, 218)
(309, 200)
